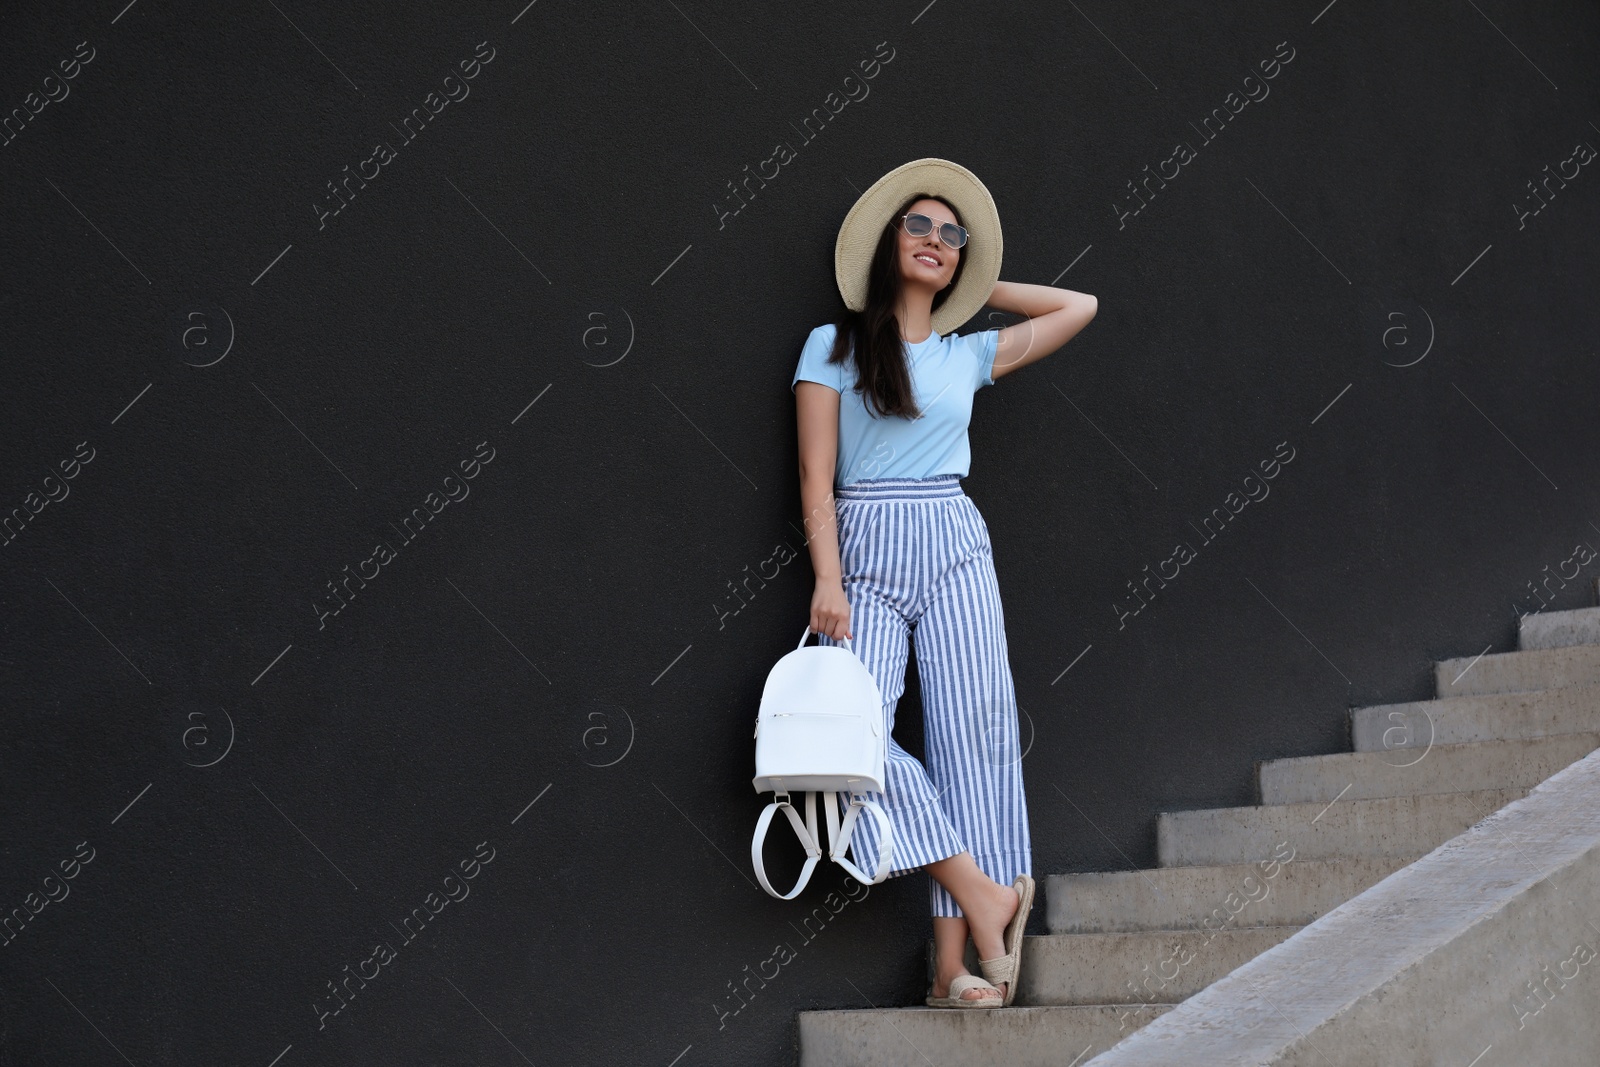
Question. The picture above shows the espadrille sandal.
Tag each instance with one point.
(959, 985)
(1006, 968)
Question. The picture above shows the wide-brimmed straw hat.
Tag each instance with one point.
(858, 236)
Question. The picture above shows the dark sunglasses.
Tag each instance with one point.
(916, 224)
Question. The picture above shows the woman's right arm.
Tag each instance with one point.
(817, 410)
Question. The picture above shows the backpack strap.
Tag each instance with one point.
(809, 631)
(805, 831)
(839, 837)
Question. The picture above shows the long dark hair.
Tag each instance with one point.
(873, 334)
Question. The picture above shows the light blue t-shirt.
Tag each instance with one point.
(945, 373)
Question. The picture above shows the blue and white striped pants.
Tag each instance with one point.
(915, 553)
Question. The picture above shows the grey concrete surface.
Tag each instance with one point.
(1143, 966)
(1386, 826)
(1262, 893)
(1556, 629)
(1497, 716)
(1489, 942)
(945, 1037)
(1409, 771)
(1517, 672)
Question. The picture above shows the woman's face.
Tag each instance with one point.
(927, 261)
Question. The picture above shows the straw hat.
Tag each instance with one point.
(858, 236)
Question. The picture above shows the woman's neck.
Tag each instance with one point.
(914, 312)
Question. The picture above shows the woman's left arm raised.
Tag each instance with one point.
(1054, 317)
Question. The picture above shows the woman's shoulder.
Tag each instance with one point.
(822, 338)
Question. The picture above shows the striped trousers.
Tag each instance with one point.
(918, 569)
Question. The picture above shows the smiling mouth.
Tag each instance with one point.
(929, 258)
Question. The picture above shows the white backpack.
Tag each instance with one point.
(820, 729)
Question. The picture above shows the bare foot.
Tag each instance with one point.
(941, 987)
(988, 924)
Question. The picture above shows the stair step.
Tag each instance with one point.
(1517, 672)
(1401, 772)
(1141, 967)
(1559, 629)
(1280, 889)
(1384, 826)
(1017, 1037)
(1491, 717)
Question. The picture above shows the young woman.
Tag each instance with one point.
(901, 554)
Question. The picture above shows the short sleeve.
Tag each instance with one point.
(814, 365)
(983, 344)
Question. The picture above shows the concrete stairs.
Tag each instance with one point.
(1126, 947)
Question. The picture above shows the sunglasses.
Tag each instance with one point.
(916, 224)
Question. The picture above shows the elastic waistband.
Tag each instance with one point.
(940, 485)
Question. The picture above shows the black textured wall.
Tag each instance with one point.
(400, 500)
